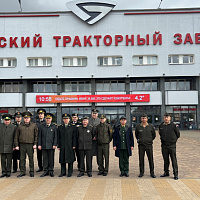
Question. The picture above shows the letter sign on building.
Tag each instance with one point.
(91, 11)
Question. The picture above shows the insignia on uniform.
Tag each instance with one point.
(88, 131)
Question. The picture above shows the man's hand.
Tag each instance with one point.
(39, 147)
(94, 138)
(132, 148)
(74, 147)
(17, 148)
(54, 147)
(13, 149)
(115, 148)
(59, 149)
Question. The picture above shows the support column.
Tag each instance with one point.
(24, 91)
(59, 109)
(198, 105)
(93, 90)
(162, 89)
(128, 104)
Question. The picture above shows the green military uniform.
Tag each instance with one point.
(104, 137)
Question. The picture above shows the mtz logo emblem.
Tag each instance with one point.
(91, 11)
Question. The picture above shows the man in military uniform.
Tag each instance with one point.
(169, 135)
(66, 145)
(76, 123)
(123, 145)
(41, 120)
(47, 142)
(7, 134)
(26, 138)
(104, 137)
(145, 134)
(16, 154)
(94, 121)
(85, 134)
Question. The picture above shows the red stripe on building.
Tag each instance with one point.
(29, 16)
(160, 13)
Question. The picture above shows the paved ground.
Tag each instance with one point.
(112, 186)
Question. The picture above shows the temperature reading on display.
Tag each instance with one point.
(45, 99)
(139, 98)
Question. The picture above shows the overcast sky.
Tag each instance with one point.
(59, 5)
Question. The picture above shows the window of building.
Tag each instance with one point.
(39, 62)
(181, 59)
(47, 86)
(144, 85)
(77, 86)
(14, 87)
(110, 86)
(8, 62)
(74, 61)
(145, 60)
(109, 60)
(178, 85)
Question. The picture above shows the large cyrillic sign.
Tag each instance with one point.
(92, 98)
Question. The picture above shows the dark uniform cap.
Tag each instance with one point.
(26, 114)
(41, 111)
(48, 115)
(74, 114)
(144, 115)
(86, 118)
(166, 114)
(122, 117)
(64, 116)
(103, 116)
(7, 117)
(18, 114)
(95, 111)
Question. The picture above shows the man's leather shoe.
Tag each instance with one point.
(69, 175)
(39, 170)
(122, 174)
(105, 174)
(164, 175)
(44, 174)
(31, 175)
(8, 175)
(140, 175)
(175, 177)
(153, 176)
(3, 175)
(20, 175)
(80, 174)
(61, 175)
(51, 174)
(100, 173)
(89, 174)
(14, 171)
(126, 174)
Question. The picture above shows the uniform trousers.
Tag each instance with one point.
(103, 152)
(166, 152)
(149, 151)
(124, 161)
(15, 157)
(6, 163)
(63, 168)
(88, 155)
(39, 158)
(26, 149)
(48, 160)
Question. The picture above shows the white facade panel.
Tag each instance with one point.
(11, 99)
(155, 99)
(31, 100)
(181, 97)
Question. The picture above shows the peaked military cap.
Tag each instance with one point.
(26, 114)
(41, 111)
(123, 117)
(86, 118)
(166, 114)
(48, 115)
(74, 114)
(7, 117)
(144, 115)
(95, 111)
(64, 116)
(18, 114)
(102, 116)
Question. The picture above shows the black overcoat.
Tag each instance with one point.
(66, 142)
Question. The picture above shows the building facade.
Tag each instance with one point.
(153, 52)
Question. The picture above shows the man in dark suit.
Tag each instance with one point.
(123, 144)
(47, 142)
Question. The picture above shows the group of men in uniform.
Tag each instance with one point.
(87, 139)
